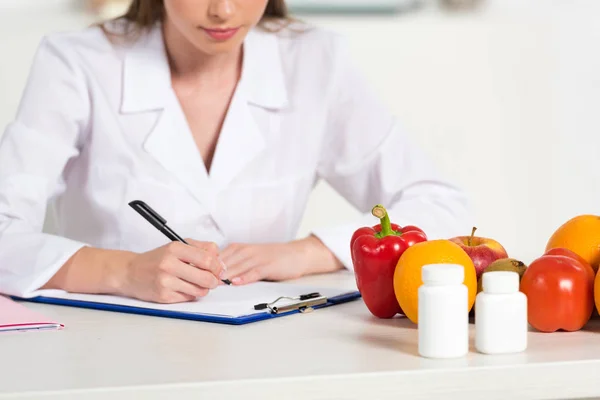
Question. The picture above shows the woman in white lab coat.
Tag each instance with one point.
(221, 116)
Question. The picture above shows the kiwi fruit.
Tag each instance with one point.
(503, 264)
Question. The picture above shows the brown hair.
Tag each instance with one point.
(145, 13)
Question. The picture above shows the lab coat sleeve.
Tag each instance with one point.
(34, 151)
(369, 160)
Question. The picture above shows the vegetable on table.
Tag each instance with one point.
(560, 292)
(375, 254)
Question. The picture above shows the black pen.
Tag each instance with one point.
(160, 223)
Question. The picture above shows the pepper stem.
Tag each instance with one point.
(380, 212)
(470, 241)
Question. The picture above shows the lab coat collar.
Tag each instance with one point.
(262, 73)
(147, 76)
(147, 87)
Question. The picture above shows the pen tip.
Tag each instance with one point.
(227, 281)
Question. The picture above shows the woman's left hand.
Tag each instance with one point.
(247, 263)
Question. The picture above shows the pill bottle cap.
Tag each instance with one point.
(499, 282)
(443, 274)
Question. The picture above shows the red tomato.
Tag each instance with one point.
(559, 293)
(560, 251)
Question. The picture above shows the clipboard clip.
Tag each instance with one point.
(303, 303)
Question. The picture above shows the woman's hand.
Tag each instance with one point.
(247, 263)
(164, 275)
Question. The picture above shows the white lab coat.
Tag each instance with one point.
(99, 126)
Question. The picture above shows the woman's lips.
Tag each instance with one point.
(221, 34)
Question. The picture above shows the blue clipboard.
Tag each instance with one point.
(184, 315)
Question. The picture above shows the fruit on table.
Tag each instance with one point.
(581, 235)
(407, 277)
(569, 253)
(483, 251)
(375, 253)
(559, 292)
(561, 251)
(597, 292)
(503, 264)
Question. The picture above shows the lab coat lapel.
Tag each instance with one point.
(241, 140)
(147, 88)
(260, 89)
(173, 146)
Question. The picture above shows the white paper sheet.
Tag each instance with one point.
(229, 301)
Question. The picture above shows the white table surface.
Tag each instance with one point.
(335, 353)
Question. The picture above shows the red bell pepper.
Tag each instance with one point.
(560, 291)
(375, 254)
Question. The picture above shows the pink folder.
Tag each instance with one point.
(16, 317)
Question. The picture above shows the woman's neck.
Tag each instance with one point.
(190, 64)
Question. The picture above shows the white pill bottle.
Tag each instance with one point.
(500, 314)
(443, 320)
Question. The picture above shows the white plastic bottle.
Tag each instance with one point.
(500, 314)
(443, 320)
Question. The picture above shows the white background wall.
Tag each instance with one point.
(505, 100)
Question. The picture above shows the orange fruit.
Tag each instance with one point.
(407, 276)
(597, 292)
(581, 235)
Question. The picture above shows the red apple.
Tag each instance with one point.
(483, 251)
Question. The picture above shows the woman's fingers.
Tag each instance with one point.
(187, 288)
(236, 254)
(205, 258)
(229, 250)
(171, 289)
(250, 276)
(210, 247)
(243, 267)
(196, 276)
(173, 298)
(213, 250)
